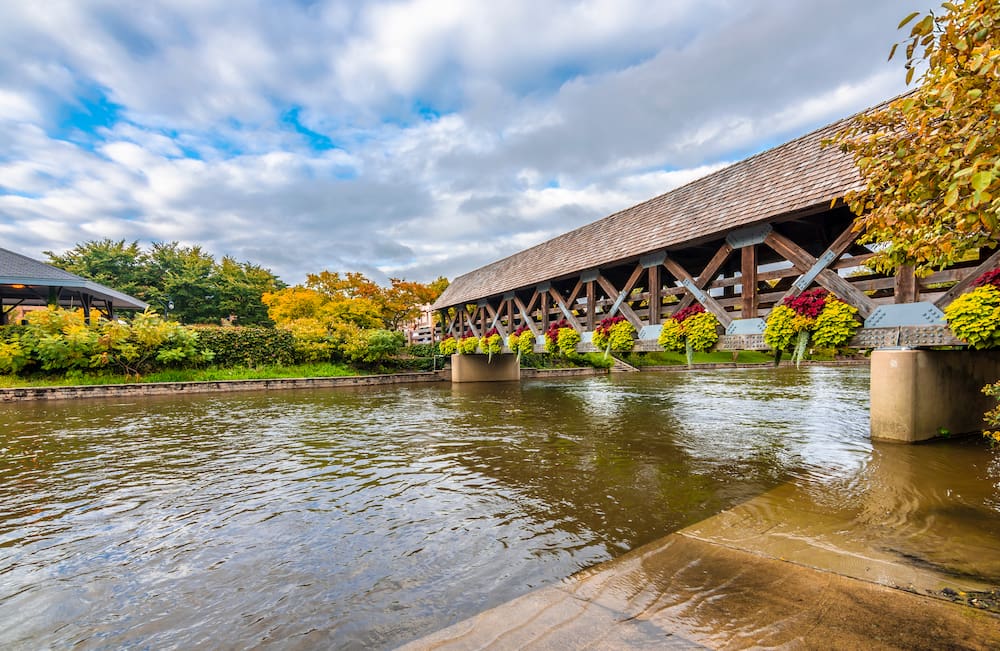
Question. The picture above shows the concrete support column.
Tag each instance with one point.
(479, 368)
(920, 394)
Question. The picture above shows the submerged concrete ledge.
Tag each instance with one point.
(214, 386)
(681, 593)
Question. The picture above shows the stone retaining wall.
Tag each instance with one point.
(533, 373)
(720, 365)
(218, 386)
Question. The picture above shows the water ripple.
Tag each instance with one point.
(365, 518)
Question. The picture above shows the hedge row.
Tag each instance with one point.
(248, 346)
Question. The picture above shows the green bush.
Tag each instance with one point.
(835, 325)
(375, 346)
(421, 350)
(567, 341)
(448, 346)
(248, 347)
(974, 317)
(61, 341)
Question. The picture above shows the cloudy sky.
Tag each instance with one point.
(410, 138)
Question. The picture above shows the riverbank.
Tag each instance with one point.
(784, 364)
(218, 386)
(78, 391)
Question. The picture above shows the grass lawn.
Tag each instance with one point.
(185, 375)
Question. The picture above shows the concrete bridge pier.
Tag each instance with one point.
(921, 394)
(480, 368)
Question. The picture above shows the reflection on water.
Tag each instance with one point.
(365, 518)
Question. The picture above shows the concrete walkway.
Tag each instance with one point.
(777, 571)
(681, 593)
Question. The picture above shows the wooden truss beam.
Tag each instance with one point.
(989, 263)
(806, 263)
(623, 307)
(707, 274)
(497, 315)
(526, 313)
(567, 313)
(710, 304)
(471, 319)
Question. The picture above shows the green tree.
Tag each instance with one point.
(187, 279)
(200, 289)
(930, 159)
(113, 263)
(240, 288)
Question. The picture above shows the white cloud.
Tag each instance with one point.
(291, 134)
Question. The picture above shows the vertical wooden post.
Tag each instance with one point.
(907, 289)
(653, 285)
(748, 271)
(545, 310)
(591, 307)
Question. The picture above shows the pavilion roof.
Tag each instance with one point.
(21, 277)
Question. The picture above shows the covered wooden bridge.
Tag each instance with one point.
(737, 241)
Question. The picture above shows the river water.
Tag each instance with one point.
(365, 518)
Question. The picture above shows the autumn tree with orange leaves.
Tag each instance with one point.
(930, 159)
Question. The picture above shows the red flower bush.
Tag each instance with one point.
(988, 278)
(552, 334)
(605, 325)
(808, 304)
(690, 310)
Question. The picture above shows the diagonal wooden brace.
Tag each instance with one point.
(568, 313)
(526, 314)
(945, 299)
(496, 323)
(707, 275)
(806, 263)
(623, 307)
(696, 292)
(471, 320)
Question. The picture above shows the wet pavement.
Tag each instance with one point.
(780, 570)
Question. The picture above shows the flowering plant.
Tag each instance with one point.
(989, 278)
(615, 334)
(468, 344)
(974, 316)
(522, 341)
(491, 343)
(561, 338)
(448, 346)
(992, 417)
(691, 329)
(817, 314)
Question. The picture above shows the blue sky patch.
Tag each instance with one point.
(317, 141)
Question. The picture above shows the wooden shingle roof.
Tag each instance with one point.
(789, 178)
(20, 271)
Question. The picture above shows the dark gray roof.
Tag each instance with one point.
(796, 176)
(17, 269)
